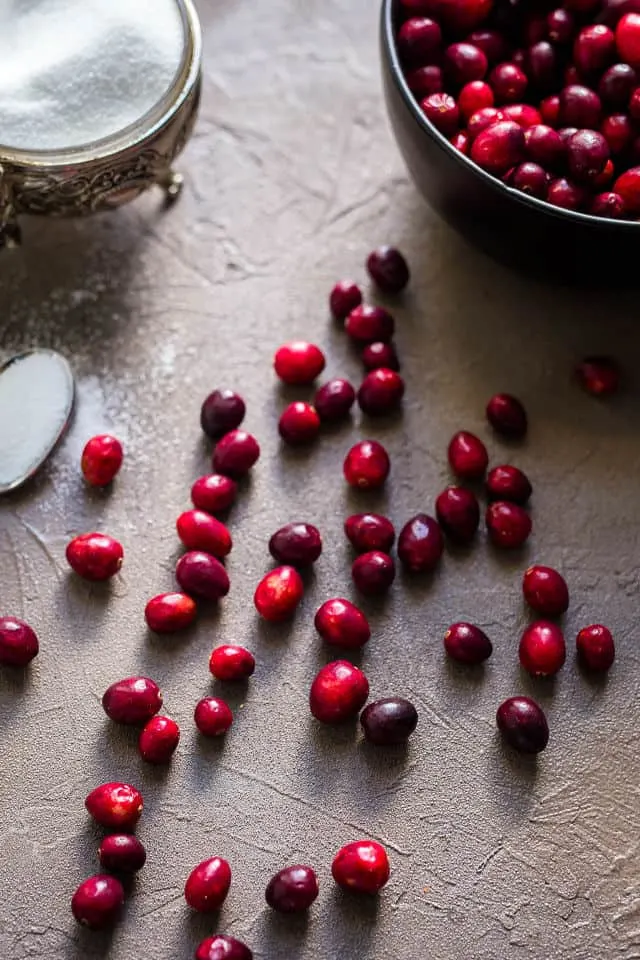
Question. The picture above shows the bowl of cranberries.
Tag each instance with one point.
(519, 120)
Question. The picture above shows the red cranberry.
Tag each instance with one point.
(499, 147)
(369, 531)
(627, 186)
(491, 43)
(278, 594)
(362, 867)
(333, 401)
(419, 41)
(627, 38)
(542, 649)
(95, 556)
(599, 376)
(345, 297)
(509, 82)
(298, 362)
(425, 80)
(468, 456)
(508, 524)
(201, 575)
(18, 642)
(542, 66)
(235, 454)
(122, 853)
(231, 662)
(560, 26)
(634, 104)
(207, 885)
(523, 114)
(458, 514)
(474, 96)
(420, 544)
(338, 692)
(292, 890)
(213, 493)
(467, 643)
(299, 424)
(595, 646)
(367, 324)
(545, 590)
(98, 901)
(223, 948)
(531, 179)
(159, 740)
(461, 141)
(377, 355)
(388, 269)
(170, 612)
(222, 411)
(482, 119)
(508, 483)
(367, 465)
(442, 110)
(507, 416)
(381, 392)
(550, 110)
(298, 544)
(462, 15)
(132, 700)
(607, 205)
(373, 572)
(115, 805)
(464, 63)
(617, 84)
(200, 531)
(587, 154)
(594, 48)
(212, 716)
(563, 193)
(523, 724)
(390, 721)
(579, 107)
(617, 131)
(101, 460)
(341, 624)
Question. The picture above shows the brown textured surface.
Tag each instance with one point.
(291, 178)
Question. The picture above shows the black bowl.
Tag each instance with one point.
(511, 226)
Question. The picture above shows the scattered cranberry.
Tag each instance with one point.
(341, 624)
(214, 493)
(207, 885)
(458, 513)
(607, 205)
(442, 110)
(338, 692)
(381, 392)
(499, 147)
(333, 401)
(362, 866)
(474, 96)
(388, 269)
(200, 531)
(170, 612)
(203, 576)
(523, 724)
(508, 483)
(278, 594)
(298, 362)
(221, 412)
(560, 26)
(98, 901)
(563, 193)
(367, 324)
(579, 107)
(599, 376)
(627, 38)
(420, 544)
(419, 41)
(545, 146)
(377, 355)
(235, 454)
(367, 465)
(545, 590)
(133, 700)
(542, 649)
(587, 155)
(507, 416)
(467, 643)
(369, 531)
(595, 646)
(373, 573)
(95, 556)
(18, 642)
(101, 460)
(292, 890)
(115, 805)
(628, 187)
(508, 82)
(508, 524)
(345, 297)
(212, 716)
(523, 114)
(297, 544)
(299, 424)
(468, 456)
(425, 80)
(483, 119)
(390, 721)
(223, 948)
(463, 63)
(231, 662)
(122, 853)
(159, 740)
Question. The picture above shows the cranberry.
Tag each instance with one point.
(523, 724)
(278, 594)
(599, 376)
(390, 721)
(373, 572)
(200, 531)
(298, 362)
(122, 853)
(101, 460)
(560, 26)
(462, 15)
(474, 96)
(458, 514)
(419, 41)
(464, 63)
(627, 38)
(203, 576)
(508, 524)
(508, 82)
(628, 187)
(531, 179)
(212, 716)
(523, 114)
(367, 324)
(223, 948)
(425, 80)
(341, 624)
(545, 590)
(482, 119)
(18, 642)
(362, 866)
(207, 885)
(490, 42)
(95, 556)
(222, 411)
(594, 48)
(461, 141)
(235, 454)
(468, 456)
(617, 131)
(579, 107)
(367, 465)
(299, 424)
(542, 649)
(420, 544)
(467, 643)
(377, 355)
(298, 544)
(388, 269)
(508, 483)
(231, 662)
(158, 740)
(587, 154)
(612, 10)
(132, 700)
(98, 901)
(345, 297)
(292, 890)
(213, 493)
(563, 193)
(499, 147)
(595, 646)
(607, 205)
(170, 612)
(634, 104)
(603, 179)
(333, 401)
(550, 110)
(369, 531)
(507, 416)
(442, 110)
(115, 805)
(617, 84)
(338, 692)
(542, 66)
(381, 392)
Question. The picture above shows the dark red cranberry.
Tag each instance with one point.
(345, 297)
(508, 82)
(292, 890)
(627, 38)
(442, 110)
(628, 187)
(388, 269)
(463, 15)
(367, 465)
(474, 96)
(101, 460)
(333, 401)
(579, 107)
(338, 692)
(507, 415)
(461, 141)
(369, 531)
(508, 524)
(299, 424)
(617, 131)
(341, 624)
(545, 590)
(222, 411)
(523, 724)
(491, 43)
(561, 26)
(464, 63)
(297, 544)
(115, 805)
(467, 643)
(214, 493)
(298, 362)
(468, 456)
(212, 716)
(231, 662)
(95, 556)
(122, 853)
(599, 376)
(380, 392)
(607, 205)
(18, 642)
(390, 721)
(132, 700)
(169, 612)
(595, 647)
(594, 48)
(458, 513)
(542, 66)
(207, 885)
(523, 114)
(508, 483)
(634, 104)
(531, 179)
(587, 154)
(201, 575)
(159, 740)
(550, 110)
(220, 947)
(425, 80)
(362, 867)
(612, 10)
(377, 355)
(235, 454)
(278, 594)
(367, 324)
(373, 572)
(98, 901)
(200, 531)
(563, 193)
(499, 147)
(617, 84)
(420, 544)
(542, 649)
(419, 41)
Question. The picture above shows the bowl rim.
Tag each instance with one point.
(559, 213)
